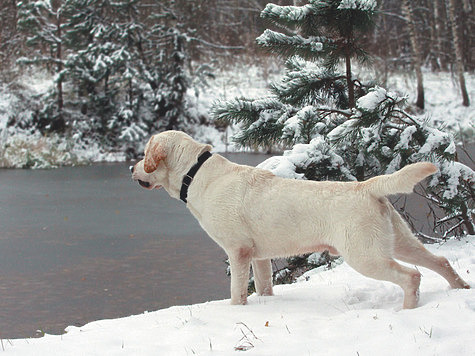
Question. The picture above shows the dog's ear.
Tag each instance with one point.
(154, 153)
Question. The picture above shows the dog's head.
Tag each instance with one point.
(168, 156)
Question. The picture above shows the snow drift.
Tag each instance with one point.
(334, 312)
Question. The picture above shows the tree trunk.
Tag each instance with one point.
(416, 53)
(467, 220)
(458, 53)
(439, 24)
(349, 79)
(386, 50)
(434, 37)
(59, 56)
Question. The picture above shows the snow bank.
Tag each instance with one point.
(23, 149)
(335, 312)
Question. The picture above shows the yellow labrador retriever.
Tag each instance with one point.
(255, 216)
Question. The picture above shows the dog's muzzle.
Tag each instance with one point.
(141, 182)
(144, 184)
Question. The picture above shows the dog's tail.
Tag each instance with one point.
(402, 181)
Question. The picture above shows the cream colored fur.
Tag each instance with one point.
(255, 216)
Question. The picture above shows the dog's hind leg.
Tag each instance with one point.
(369, 251)
(384, 268)
(262, 270)
(408, 249)
(240, 263)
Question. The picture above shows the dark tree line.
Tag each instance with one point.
(121, 68)
(218, 24)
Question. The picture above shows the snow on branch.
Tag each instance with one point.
(364, 5)
(286, 13)
(272, 38)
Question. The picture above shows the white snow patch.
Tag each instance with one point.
(406, 137)
(372, 100)
(302, 155)
(334, 312)
(364, 5)
(443, 101)
(292, 13)
(281, 167)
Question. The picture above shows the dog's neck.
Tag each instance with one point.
(190, 175)
(184, 162)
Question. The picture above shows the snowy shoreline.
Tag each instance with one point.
(21, 149)
(334, 312)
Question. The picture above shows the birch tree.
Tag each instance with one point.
(458, 52)
(416, 52)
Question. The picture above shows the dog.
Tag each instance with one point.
(256, 216)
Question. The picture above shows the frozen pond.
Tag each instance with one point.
(86, 243)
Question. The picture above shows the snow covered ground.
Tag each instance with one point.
(443, 100)
(334, 312)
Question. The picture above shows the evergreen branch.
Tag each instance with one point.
(302, 87)
(286, 46)
(346, 113)
(288, 16)
(37, 59)
(407, 116)
(243, 110)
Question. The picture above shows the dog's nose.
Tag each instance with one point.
(131, 169)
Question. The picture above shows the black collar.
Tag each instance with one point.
(188, 178)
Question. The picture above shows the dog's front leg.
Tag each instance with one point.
(240, 261)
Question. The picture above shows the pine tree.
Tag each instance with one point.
(327, 30)
(106, 65)
(312, 98)
(124, 64)
(165, 44)
(41, 21)
(101, 55)
(308, 109)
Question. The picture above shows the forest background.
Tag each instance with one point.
(118, 71)
(121, 69)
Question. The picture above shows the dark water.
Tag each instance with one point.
(86, 243)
